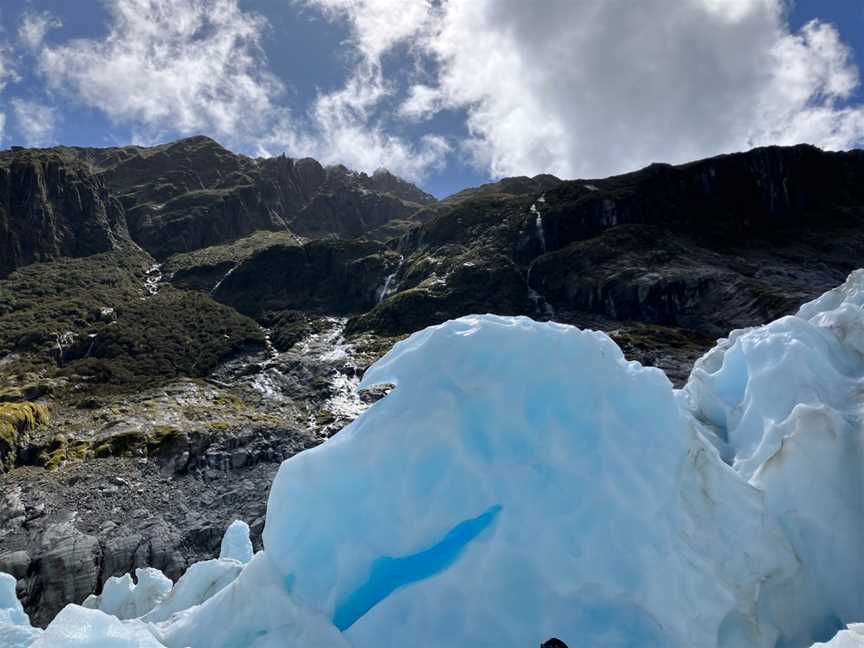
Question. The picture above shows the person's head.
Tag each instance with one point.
(554, 643)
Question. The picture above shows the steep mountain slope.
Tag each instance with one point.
(51, 207)
(194, 193)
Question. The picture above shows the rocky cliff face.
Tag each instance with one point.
(323, 276)
(723, 198)
(52, 207)
(706, 246)
(194, 193)
(202, 315)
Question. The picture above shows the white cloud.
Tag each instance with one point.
(423, 101)
(34, 26)
(571, 87)
(586, 88)
(349, 125)
(171, 66)
(342, 127)
(36, 122)
(378, 25)
(7, 74)
(361, 146)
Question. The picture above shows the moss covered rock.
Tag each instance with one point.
(17, 420)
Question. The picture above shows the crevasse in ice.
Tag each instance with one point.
(525, 480)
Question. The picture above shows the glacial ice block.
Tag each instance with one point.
(15, 629)
(236, 544)
(785, 401)
(124, 599)
(616, 522)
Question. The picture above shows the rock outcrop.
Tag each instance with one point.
(324, 276)
(51, 207)
(194, 193)
(707, 246)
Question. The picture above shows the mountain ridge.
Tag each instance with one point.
(193, 193)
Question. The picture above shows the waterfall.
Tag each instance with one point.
(268, 343)
(92, 337)
(541, 306)
(384, 290)
(152, 279)
(224, 277)
(538, 225)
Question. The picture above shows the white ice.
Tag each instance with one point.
(851, 637)
(15, 630)
(236, 544)
(77, 626)
(523, 480)
(124, 599)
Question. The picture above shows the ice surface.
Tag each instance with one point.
(524, 480)
(15, 630)
(124, 599)
(612, 516)
(254, 611)
(77, 626)
(201, 581)
(784, 403)
(852, 637)
(236, 544)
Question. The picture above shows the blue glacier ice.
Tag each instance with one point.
(524, 480)
(15, 629)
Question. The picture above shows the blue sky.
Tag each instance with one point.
(449, 94)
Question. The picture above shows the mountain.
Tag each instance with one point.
(176, 320)
(178, 197)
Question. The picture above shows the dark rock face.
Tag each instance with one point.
(710, 245)
(349, 213)
(490, 283)
(724, 198)
(668, 258)
(640, 273)
(194, 193)
(328, 275)
(160, 472)
(51, 207)
(385, 182)
(64, 539)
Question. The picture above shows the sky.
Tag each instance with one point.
(446, 93)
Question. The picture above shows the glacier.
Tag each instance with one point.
(525, 480)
